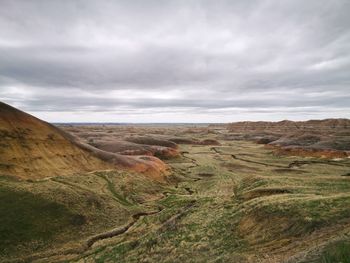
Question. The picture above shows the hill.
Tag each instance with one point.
(290, 126)
(329, 138)
(32, 149)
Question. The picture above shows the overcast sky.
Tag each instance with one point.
(176, 61)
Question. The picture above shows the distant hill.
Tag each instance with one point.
(318, 138)
(288, 126)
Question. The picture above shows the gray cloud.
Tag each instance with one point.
(284, 59)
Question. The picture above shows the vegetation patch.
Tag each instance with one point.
(335, 253)
(112, 189)
(27, 220)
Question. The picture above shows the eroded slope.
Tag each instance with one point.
(32, 149)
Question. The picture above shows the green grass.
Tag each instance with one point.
(336, 253)
(25, 217)
(113, 190)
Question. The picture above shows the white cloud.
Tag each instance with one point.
(176, 60)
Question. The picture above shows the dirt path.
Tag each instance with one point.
(120, 230)
(88, 243)
(192, 160)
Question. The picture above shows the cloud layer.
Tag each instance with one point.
(181, 61)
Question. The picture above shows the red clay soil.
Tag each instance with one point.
(149, 165)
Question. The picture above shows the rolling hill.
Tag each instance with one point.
(32, 149)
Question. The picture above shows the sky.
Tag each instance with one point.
(176, 61)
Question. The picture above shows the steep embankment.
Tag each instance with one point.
(31, 149)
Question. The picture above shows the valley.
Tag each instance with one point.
(254, 209)
(220, 200)
(174, 131)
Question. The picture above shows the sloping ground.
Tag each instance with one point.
(151, 141)
(56, 191)
(61, 213)
(130, 148)
(32, 149)
(117, 139)
(150, 165)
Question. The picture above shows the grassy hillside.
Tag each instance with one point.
(61, 213)
(26, 217)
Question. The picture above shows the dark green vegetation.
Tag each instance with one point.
(339, 252)
(237, 202)
(25, 217)
(61, 213)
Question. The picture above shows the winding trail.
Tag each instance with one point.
(88, 243)
(121, 230)
(192, 160)
(118, 231)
